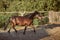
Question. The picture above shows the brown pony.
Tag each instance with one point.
(26, 21)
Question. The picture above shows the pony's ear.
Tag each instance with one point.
(36, 11)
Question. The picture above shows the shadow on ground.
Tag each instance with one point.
(52, 26)
(30, 35)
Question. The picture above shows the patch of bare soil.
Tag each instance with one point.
(45, 32)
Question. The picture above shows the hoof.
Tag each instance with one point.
(9, 32)
(23, 33)
(16, 31)
(34, 31)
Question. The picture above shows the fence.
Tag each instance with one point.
(54, 17)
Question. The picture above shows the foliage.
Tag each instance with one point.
(35, 21)
(31, 5)
(3, 18)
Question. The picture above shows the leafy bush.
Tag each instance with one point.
(3, 18)
(35, 21)
(44, 20)
(31, 5)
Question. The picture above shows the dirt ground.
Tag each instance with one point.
(43, 32)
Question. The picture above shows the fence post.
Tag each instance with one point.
(53, 17)
(22, 13)
(50, 17)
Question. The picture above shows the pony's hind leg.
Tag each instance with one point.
(15, 29)
(13, 26)
(10, 27)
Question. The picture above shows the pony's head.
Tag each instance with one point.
(38, 15)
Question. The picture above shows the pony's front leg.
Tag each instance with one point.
(34, 29)
(9, 30)
(25, 30)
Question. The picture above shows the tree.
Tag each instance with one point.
(5, 4)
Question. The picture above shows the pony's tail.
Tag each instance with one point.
(6, 24)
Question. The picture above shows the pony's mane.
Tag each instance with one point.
(31, 15)
(28, 15)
